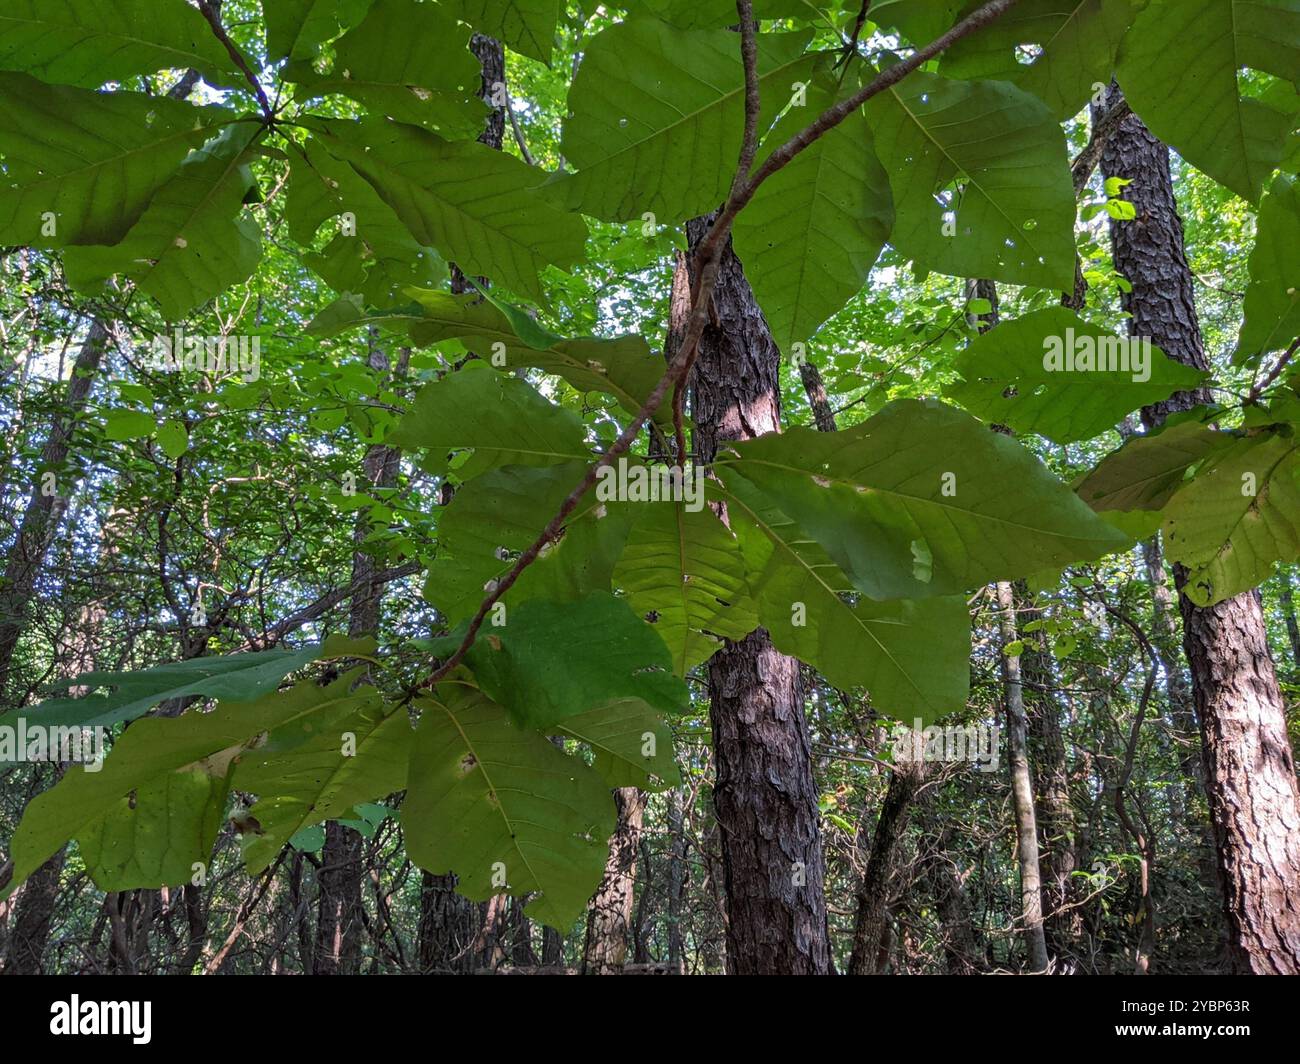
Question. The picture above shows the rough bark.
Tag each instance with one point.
(609, 916)
(764, 794)
(1249, 767)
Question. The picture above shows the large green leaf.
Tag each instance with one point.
(475, 205)
(911, 655)
(145, 756)
(91, 159)
(501, 418)
(359, 758)
(630, 743)
(295, 29)
(622, 367)
(234, 677)
(657, 113)
(502, 808)
(709, 14)
(921, 21)
(999, 158)
(529, 664)
(408, 60)
(157, 834)
(924, 500)
(191, 244)
(375, 256)
(1057, 49)
(684, 570)
(1272, 306)
(495, 516)
(1238, 517)
(527, 26)
(810, 235)
(1147, 470)
(89, 42)
(1183, 69)
(1012, 376)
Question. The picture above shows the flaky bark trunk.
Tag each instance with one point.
(609, 917)
(1249, 768)
(764, 794)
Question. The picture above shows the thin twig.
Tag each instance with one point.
(212, 13)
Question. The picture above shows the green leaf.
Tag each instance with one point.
(814, 229)
(503, 809)
(911, 655)
(145, 756)
(474, 204)
(924, 500)
(190, 245)
(381, 259)
(128, 425)
(295, 29)
(500, 417)
(1000, 159)
(499, 514)
(156, 835)
(649, 96)
(89, 42)
(173, 439)
(1147, 470)
(921, 21)
(527, 26)
(92, 160)
(553, 660)
(361, 757)
(234, 677)
(1183, 70)
(630, 743)
(686, 571)
(1027, 374)
(622, 367)
(407, 60)
(1272, 306)
(1238, 517)
(1072, 45)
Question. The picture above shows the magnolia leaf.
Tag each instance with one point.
(502, 808)
(996, 158)
(649, 96)
(1183, 69)
(1051, 373)
(924, 500)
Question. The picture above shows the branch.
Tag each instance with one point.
(1086, 161)
(708, 256)
(211, 10)
(1274, 373)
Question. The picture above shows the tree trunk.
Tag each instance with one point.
(1022, 789)
(1249, 768)
(610, 914)
(340, 914)
(871, 922)
(764, 794)
(46, 505)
